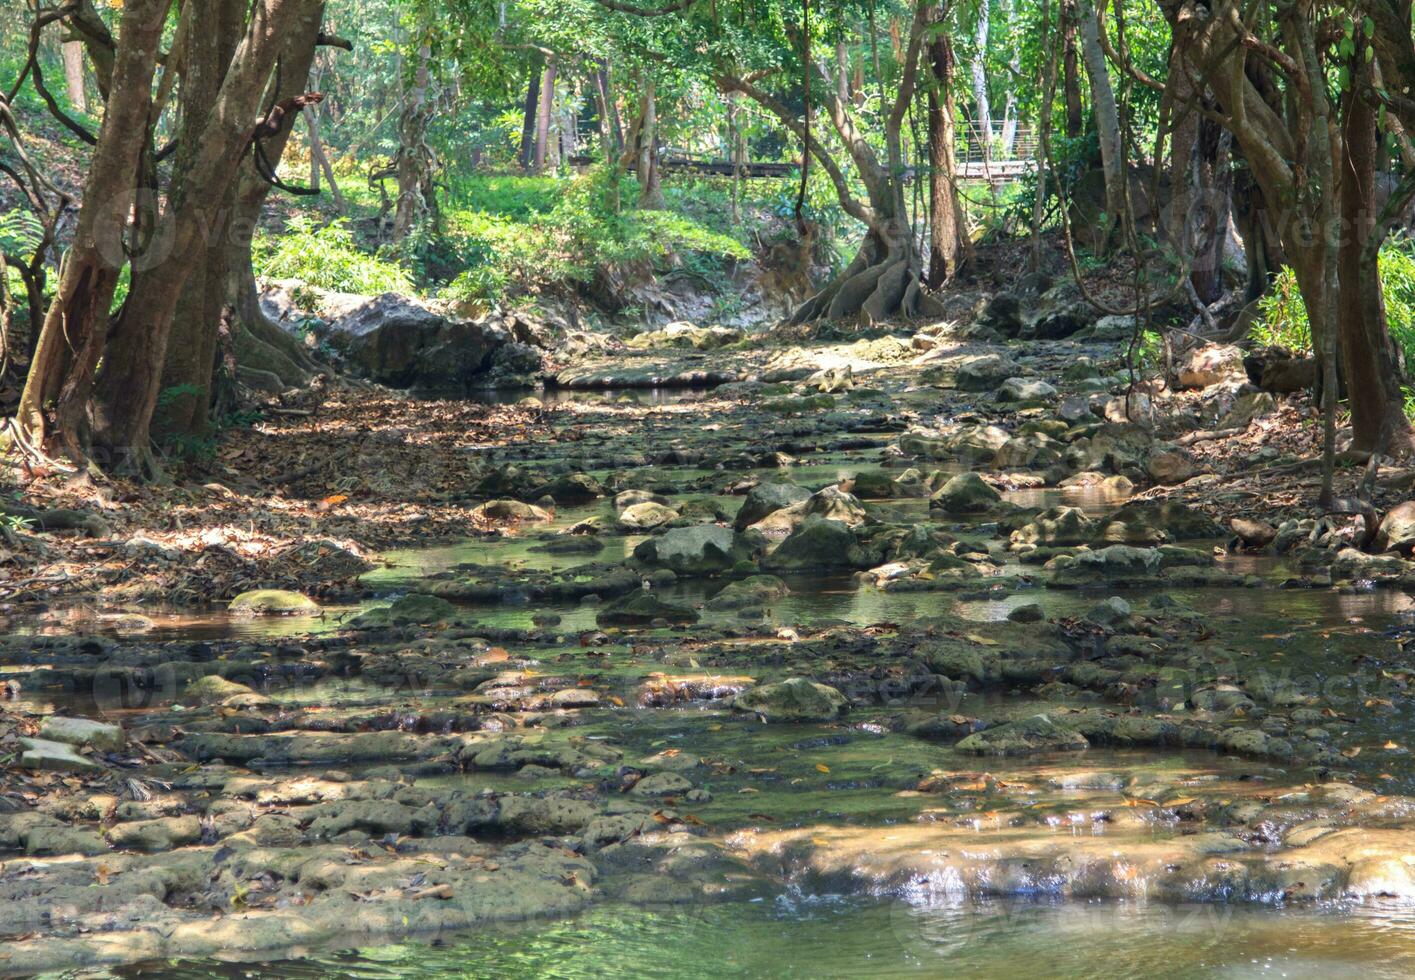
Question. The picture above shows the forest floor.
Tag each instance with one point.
(703, 645)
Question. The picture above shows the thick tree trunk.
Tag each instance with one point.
(1208, 220)
(71, 341)
(1107, 117)
(950, 246)
(1378, 421)
(416, 195)
(127, 392)
(219, 312)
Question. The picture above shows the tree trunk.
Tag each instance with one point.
(416, 196)
(74, 74)
(1208, 221)
(219, 310)
(980, 80)
(650, 186)
(1070, 70)
(950, 246)
(1378, 421)
(1107, 117)
(543, 115)
(71, 341)
(528, 119)
(131, 381)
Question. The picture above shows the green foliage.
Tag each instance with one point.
(1284, 317)
(579, 236)
(328, 258)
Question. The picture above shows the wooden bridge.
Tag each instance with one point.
(1001, 160)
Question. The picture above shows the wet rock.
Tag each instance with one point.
(1030, 612)
(642, 609)
(1397, 529)
(570, 490)
(162, 834)
(44, 754)
(273, 602)
(1025, 737)
(753, 591)
(966, 493)
(1253, 534)
(214, 689)
(628, 498)
(818, 544)
(645, 516)
(1025, 391)
(1030, 451)
(1179, 520)
(661, 784)
(1117, 562)
(83, 732)
(1056, 526)
(1114, 612)
(983, 372)
(767, 498)
(1210, 365)
(792, 700)
(705, 549)
(510, 510)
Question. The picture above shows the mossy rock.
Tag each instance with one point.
(794, 699)
(273, 602)
(641, 609)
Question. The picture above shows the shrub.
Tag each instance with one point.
(327, 258)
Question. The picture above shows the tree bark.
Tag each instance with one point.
(74, 74)
(1070, 70)
(1107, 118)
(127, 392)
(950, 247)
(981, 102)
(71, 341)
(416, 195)
(545, 101)
(219, 322)
(1368, 359)
(528, 118)
(650, 185)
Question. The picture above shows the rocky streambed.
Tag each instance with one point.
(928, 625)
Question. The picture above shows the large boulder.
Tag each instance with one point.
(1060, 312)
(1028, 451)
(645, 516)
(704, 549)
(1056, 527)
(767, 498)
(1211, 364)
(1397, 530)
(794, 699)
(831, 503)
(819, 544)
(966, 493)
(400, 342)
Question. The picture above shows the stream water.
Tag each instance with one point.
(870, 769)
